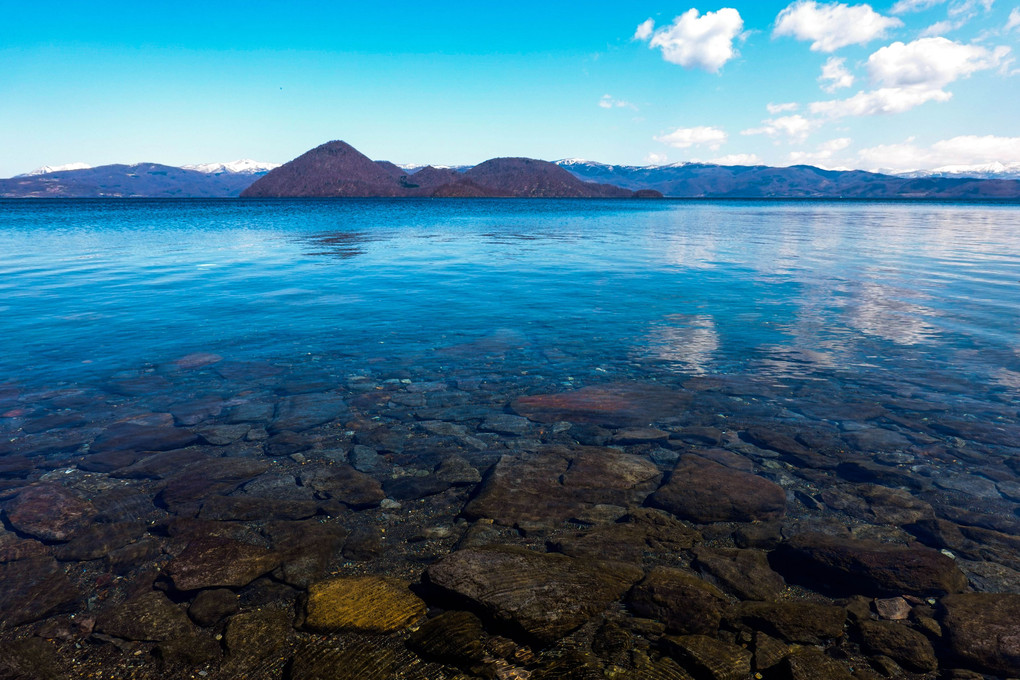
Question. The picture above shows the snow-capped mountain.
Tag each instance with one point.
(46, 169)
(412, 168)
(981, 171)
(245, 166)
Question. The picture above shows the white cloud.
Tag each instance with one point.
(683, 138)
(941, 28)
(835, 75)
(736, 159)
(795, 127)
(831, 26)
(656, 158)
(930, 62)
(773, 109)
(966, 150)
(822, 154)
(1014, 19)
(912, 74)
(694, 41)
(644, 31)
(608, 101)
(885, 100)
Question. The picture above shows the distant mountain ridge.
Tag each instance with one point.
(357, 175)
(140, 180)
(337, 169)
(704, 180)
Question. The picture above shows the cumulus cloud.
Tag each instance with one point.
(948, 154)
(795, 127)
(1014, 19)
(684, 138)
(835, 75)
(822, 154)
(608, 101)
(831, 26)
(930, 62)
(912, 74)
(695, 41)
(656, 158)
(773, 109)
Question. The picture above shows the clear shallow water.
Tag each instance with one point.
(175, 373)
(791, 289)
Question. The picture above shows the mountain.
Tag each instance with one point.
(47, 169)
(337, 169)
(245, 166)
(982, 171)
(141, 180)
(703, 180)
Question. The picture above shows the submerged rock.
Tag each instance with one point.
(559, 482)
(149, 616)
(452, 637)
(903, 645)
(613, 404)
(849, 567)
(304, 411)
(799, 622)
(710, 658)
(983, 630)
(363, 604)
(682, 601)
(745, 573)
(544, 595)
(214, 562)
(49, 512)
(33, 589)
(702, 491)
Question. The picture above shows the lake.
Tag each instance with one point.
(253, 397)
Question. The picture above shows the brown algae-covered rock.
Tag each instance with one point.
(682, 601)
(702, 491)
(365, 604)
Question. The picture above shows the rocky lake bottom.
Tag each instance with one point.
(495, 505)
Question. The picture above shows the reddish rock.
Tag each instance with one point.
(345, 484)
(613, 404)
(208, 477)
(49, 512)
(219, 563)
(702, 491)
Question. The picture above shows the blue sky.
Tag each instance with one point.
(910, 84)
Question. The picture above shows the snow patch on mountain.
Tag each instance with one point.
(46, 169)
(994, 170)
(245, 166)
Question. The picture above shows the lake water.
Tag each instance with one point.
(878, 343)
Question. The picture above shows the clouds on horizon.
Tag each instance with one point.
(702, 135)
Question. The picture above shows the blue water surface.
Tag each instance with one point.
(876, 294)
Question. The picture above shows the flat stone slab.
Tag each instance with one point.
(702, 491)
(49, 512)
(612, 404)
(364, 604)
(855, 567)
(214, 562)
(983, 630)
(544, 595)
(559, 482)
